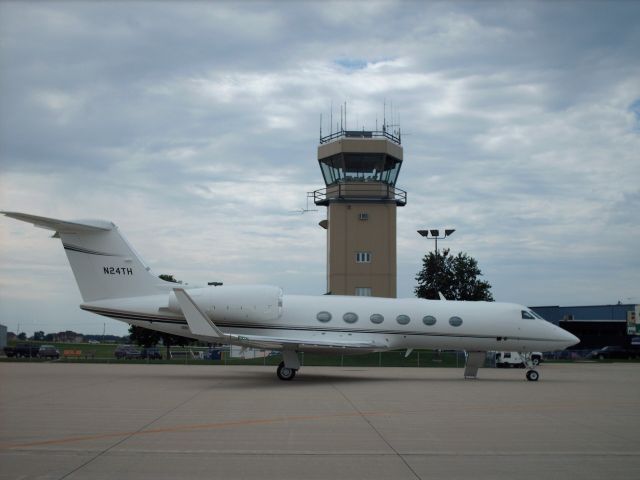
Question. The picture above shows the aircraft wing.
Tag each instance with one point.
(279, 343)
(200, 324)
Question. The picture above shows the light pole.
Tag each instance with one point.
(434, 234)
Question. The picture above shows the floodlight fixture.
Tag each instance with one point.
(435, 235)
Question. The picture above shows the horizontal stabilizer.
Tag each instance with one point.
(62, 226)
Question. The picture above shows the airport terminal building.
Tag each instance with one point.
(597, 325)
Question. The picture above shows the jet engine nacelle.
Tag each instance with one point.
(248, 303)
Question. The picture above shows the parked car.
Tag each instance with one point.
(128, 352)
(515, 359)
(615, 352)
(48, 351)
(25, 350)
(152, 353)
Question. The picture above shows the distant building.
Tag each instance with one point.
(597, 325)
(3, 336)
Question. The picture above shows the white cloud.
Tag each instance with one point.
(194, 127)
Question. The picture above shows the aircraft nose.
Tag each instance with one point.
(570, 338)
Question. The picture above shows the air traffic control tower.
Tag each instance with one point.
(360, 170)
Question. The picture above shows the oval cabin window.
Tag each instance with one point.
(429, 320)
(376, 318)
(403, 319)
(323, 316)
(350, 317)
(455, 321)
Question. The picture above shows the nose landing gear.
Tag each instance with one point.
(531, 364)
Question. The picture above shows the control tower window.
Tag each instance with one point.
(363, 167)
(391, 171)
(330, 173)
(360, 167)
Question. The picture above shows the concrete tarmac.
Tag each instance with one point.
(88, 421)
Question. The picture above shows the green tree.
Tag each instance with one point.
(38, 336)
(148, 338)
(455, 276)
(144, 337)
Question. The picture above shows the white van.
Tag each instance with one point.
(515, 359)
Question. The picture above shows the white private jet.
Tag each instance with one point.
(115, 282)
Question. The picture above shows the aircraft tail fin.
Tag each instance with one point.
(104, 264)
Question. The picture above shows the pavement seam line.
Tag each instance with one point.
(186, 428)
(130, 435)
(366, 419)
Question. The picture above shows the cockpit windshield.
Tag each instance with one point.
(531, 315)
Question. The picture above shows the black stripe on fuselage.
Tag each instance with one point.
(124, 315)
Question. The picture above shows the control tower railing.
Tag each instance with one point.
(361, 134)
(359, 192)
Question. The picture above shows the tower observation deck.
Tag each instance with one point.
(360, 166)
(360, 171)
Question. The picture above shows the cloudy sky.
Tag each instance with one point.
(194, 127)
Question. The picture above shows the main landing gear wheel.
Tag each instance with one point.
(285, 373)
(533, 376)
